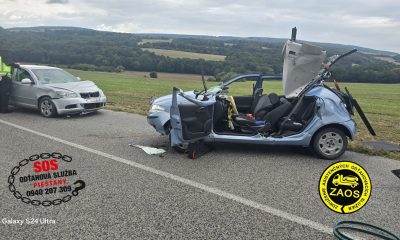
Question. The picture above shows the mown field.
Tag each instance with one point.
(183, 54)
(154, 40)
(131, 91)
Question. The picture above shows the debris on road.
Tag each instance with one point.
(149, 150)
(198, 149)
(396, 172)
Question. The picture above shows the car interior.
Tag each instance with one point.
(267, 114)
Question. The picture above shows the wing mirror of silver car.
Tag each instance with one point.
(26, 81)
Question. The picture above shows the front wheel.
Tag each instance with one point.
(329, 143)
(47, 107)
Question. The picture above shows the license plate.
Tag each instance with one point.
(92, 100)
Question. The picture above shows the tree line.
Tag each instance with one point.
(106, 51)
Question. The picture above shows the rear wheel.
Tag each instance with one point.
(47, 107)
(329, 143)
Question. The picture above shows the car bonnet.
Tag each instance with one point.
(82, 86)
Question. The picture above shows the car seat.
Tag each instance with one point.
(277, 113)
(257, 95)
(300, 118)
(265, 104)
(219, 112)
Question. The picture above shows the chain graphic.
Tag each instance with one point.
(11, 180)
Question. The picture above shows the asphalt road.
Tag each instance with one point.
(234, 192)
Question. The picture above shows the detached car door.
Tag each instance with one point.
(191, 119)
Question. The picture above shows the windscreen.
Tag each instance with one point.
(49, 76)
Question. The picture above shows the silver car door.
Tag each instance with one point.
(23, 94)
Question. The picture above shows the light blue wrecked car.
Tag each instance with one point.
(309, 114)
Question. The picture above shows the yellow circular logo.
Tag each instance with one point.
(345, 187)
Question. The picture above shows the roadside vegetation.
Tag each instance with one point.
(92, 50)
(131, 92)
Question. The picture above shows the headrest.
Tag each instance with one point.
(273, 97)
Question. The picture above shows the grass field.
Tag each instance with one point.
(154, 40)
(182, 54)
(131, 91)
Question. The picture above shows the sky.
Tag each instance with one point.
(368, 23)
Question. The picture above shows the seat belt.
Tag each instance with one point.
(231, 110)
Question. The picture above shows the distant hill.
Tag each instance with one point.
(222, 38)
(89, 49)
(47, 28)
(268, 40)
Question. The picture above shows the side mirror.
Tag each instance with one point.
(78, 78)
(26, 81)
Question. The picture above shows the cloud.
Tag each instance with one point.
(57, 1)
(128, 27)
(372, 21)
(368, 23)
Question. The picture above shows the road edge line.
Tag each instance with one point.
(265, 208)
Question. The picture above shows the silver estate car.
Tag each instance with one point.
(54, 91)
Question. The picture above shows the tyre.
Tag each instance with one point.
(329, 143)
(47, 107)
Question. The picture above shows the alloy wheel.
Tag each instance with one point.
(46, 107)
(330, 143)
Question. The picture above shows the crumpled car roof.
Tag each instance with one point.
(302, 63)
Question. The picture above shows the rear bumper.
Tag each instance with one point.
(79, 105)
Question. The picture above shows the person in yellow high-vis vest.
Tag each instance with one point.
(5, 84)
(4, 69)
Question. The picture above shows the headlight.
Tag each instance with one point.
(101, 93)
(156, 108)
(64, 94)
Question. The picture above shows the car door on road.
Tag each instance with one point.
(23, 94)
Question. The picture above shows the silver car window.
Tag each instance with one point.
(21, 74)
(48, 76)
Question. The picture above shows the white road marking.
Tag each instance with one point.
(265, 208)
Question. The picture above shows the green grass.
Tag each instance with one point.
(154, 40)
(131, 91)
(183, 54)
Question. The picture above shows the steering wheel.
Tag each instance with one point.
(199, 93)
